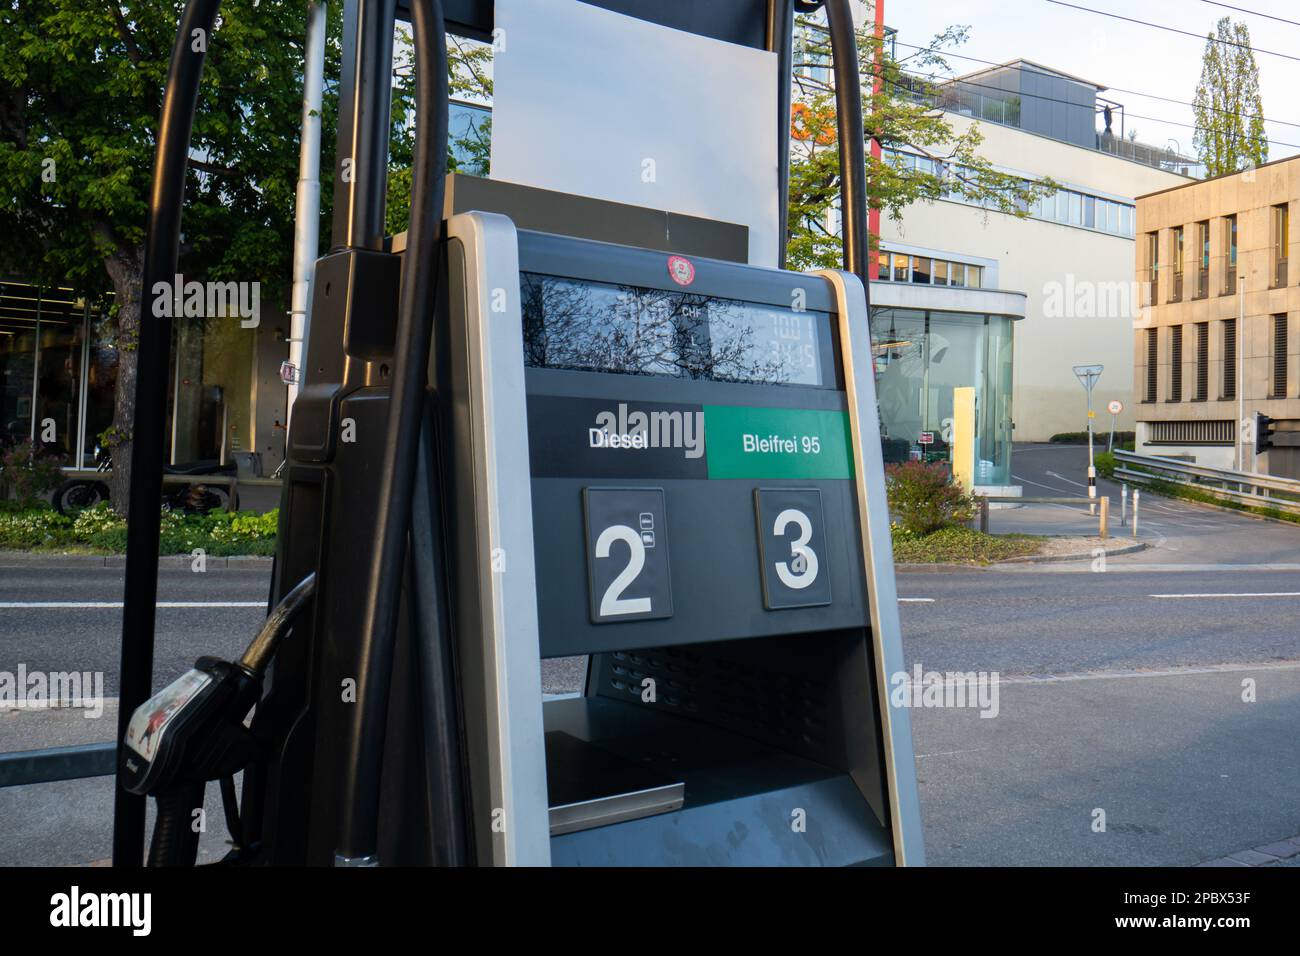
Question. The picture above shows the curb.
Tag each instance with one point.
(37, 559)
(938, 566)
(1270, 854)
(1081, 556)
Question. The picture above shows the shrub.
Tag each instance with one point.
(1100, 435)
(923, 497)
(99, 528)
(34, 528)
(30, 471)
(97, 519)
(1105, 463)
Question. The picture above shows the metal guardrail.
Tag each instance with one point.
(24, 767)
(1103, 516)
(1242, 487)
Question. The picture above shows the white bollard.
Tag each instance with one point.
(1136, 494)
(1123, 504)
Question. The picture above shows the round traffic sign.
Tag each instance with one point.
(1115, 407)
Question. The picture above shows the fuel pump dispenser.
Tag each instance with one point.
(566, 436)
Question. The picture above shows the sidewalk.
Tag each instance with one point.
(1281, 853)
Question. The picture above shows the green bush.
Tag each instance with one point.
(34, 528)
(1099, 436)
(97, 519)
(923, 497)
(1105, 463)
(100, 529)
(29, 471)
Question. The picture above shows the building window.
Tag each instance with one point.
(1176, 293)
(1229, 358)
(1203, 259)
(1066, 206)
(897, 267)
(1202, 362)
(1279, 356)
(1152, 356)
(1229, 255)
(1176, 363)
(1281, 230)
(1153, 266)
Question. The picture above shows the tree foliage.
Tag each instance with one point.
(900, 111)
(1228, 110)
(81, 85)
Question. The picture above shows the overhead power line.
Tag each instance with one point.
(1253, 13)
(1163, 26)
(1053, 99)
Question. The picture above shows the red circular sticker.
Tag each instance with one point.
(681, 270)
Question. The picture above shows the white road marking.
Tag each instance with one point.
(1247, 594)
(97, 605)
(1070, 481)
(949, 753)
(1163, 672)
(916, 600)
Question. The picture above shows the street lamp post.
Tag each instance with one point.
(1241, 382)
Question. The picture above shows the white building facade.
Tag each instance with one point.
(1072, 256)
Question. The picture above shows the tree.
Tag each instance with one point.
(901, 111)
(81, 85)
(1228, 111)
(468, 78)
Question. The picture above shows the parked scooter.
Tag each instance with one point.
(77, 494)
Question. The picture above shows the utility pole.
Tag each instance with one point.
(306, 226)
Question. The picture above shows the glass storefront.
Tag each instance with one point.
(43, 368)
(921, 356)
(58, 379)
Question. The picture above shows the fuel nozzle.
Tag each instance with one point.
(193, 731)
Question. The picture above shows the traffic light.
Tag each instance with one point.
(1263, 433)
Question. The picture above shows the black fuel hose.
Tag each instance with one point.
(852, 139)
(363, 756)
(162, 240)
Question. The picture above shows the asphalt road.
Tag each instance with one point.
(1177, 533)
(49, 622)
(1121, 692)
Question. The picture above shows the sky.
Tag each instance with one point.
(1116, 53)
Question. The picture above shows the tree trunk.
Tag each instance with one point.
(126, 269)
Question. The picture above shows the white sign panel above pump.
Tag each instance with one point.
(598, 104)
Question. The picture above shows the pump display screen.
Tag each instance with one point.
(634, 330)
